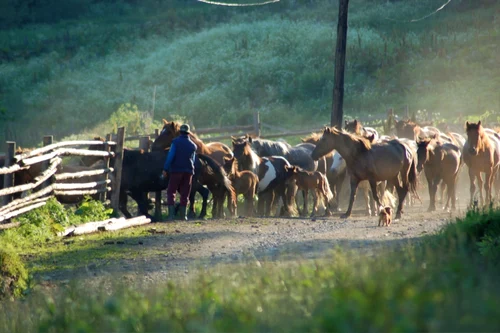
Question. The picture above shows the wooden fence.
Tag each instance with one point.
(48, 183)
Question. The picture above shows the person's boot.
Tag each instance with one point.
(182, 211)
(171, 213)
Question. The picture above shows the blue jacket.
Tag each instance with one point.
(181, 156)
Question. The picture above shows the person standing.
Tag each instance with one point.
(180, 167)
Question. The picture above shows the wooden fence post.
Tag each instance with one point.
(157, 193)
(144, 145)
(8, 178)
(106, 148)
(115, 192)
(256, 123)
(47, 140)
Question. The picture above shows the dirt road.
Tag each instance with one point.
(168, 250)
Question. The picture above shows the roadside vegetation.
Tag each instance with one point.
(443, 282)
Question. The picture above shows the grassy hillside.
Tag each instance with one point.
(216, 65)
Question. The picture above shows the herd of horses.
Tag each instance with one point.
(275, 171)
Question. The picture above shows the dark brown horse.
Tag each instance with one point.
(171, 130)
(244, 182)
(385, 161)
(482, 155)
(441, 163)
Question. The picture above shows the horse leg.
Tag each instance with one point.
(432, 184)
(315, 195)
(142, 202)
(354, 187)
(480, 187)
(305, 206)
(472, 188)
(442, 187)
(487, 186)
(402, 192)
(450, 186)
(373, 187)
(366, 195)
(122, 204)
(204, 192)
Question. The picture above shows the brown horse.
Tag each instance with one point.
(171, 130)
(272, 176)
(441, 163)
(385, 161)
(481, 154)
(244, 182)
(311, 181)
(355, 127)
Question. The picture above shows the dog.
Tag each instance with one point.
(385, 216)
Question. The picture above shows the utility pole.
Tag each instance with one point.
(340, 50)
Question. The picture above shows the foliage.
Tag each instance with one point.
(213, 65)
(13, 274)
(41, 225)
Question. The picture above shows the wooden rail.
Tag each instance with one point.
(48, 182)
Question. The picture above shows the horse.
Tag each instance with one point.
(311, 181)
(481, 153)
(271, 173)
(171, 130)
(389, 161)
(244, 182)
(441, 163)
(355, 127)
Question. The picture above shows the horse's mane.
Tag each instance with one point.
(314, 137)
(362, 142)
(272, 147)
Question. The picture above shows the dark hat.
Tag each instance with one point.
(184, 128)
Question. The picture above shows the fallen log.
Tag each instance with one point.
(9, 225)
(106, 225)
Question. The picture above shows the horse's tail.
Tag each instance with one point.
(326, 189)
(388, 200)
(412, 177)
(220, 176)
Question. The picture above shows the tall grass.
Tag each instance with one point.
(441, 283)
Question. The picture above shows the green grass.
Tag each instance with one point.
(277, 60)
(444, 282)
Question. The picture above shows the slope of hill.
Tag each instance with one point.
(216, 65)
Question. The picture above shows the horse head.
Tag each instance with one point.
(325, 143)
(169, 132)
(475, 137)
(353, 127)
(424, 150)
(241, 148)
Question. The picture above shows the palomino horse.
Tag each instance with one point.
(440, 162)
(355, 127)
(311, 181)
(244, 182)
(171, 130)
(389, 161)
(481, 154)
(271, 172)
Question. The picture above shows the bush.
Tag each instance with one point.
(13, 274)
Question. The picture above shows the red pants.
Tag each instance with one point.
(179, 181)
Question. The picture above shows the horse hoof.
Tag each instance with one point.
(344, 216)
(398, 216)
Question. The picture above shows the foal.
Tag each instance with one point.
(314, 181)
(244, 182)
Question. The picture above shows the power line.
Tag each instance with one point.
(237, 4)
(422, 18)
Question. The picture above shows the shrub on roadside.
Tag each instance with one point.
(13, 274)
